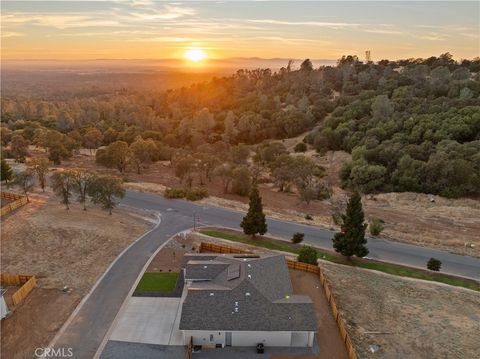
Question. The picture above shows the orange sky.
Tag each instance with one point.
(146, 29)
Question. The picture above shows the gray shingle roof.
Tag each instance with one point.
(260, 299)
(204, 269)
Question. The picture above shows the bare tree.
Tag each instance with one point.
(25, 180)
(41, 167)
(82, 182)
(63, 184)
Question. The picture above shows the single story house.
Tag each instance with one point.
(243, 300)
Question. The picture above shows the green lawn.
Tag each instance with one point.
(389, 268)
(157, 282)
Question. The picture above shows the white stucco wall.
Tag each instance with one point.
(272, 339)
(202, 337)
(248, 339)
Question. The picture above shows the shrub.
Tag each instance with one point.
(175, 193)
(308, 255)
(196, 193)
(308, 217)
(376, 226)
(192, 194)
(300, 147)
(297, 237)
(434, 264)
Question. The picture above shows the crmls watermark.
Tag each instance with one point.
(54, 352)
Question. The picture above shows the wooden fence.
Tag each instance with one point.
(17, 201)
(209, 247)
(27, 283)
(189, 349)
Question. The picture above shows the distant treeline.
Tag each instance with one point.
(411, 125)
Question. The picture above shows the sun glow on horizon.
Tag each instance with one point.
(195, 54)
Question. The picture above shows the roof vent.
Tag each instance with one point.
(236, 310)
(249, 276)
(247, 294)
(249, 265)
(204, 267)
(236, 304)
(212, 294)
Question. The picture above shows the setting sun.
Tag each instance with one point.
(195, 55)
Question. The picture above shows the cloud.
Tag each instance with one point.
(143, 13)
(384, 31)
(5, 34)
(332, 25)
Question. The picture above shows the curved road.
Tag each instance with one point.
(88, 327)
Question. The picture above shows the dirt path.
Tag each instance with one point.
(328, 336)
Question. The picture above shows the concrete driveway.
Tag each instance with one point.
(150, 321)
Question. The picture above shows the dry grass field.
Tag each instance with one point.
(61, 248)
(405, 318)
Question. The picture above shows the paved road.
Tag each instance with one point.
(394, 252)
(90, 325)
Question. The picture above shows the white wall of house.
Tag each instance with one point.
(248, 339)
(204, 337)
(271, 339)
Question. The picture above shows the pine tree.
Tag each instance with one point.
(351, 240)
(6, 171)
(254, 222)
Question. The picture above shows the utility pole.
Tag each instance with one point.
(368, 56)
(196, 219)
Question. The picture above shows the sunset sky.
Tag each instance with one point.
(146, 29)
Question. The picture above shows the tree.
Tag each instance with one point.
(434, 264)
(254, 222)
(382, 107)
(40, 166)
(57, 152)
(230, 133)
(82, 182)
(225, 172)
(63, 185)
(19, 148)
(142, 152)
(351, 240)
(93, 138)
(114, 155)
(25, 180)
(185, 167)
(106, 191)
(300, 147)
(297, 237)
(5, 171)
(308, 255)
(242, 181)
(306, 65)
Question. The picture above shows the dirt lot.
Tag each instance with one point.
(406, 318)
(409, 217)
(35, 321)
(169, 258)
(328, 337)
(61, 248)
